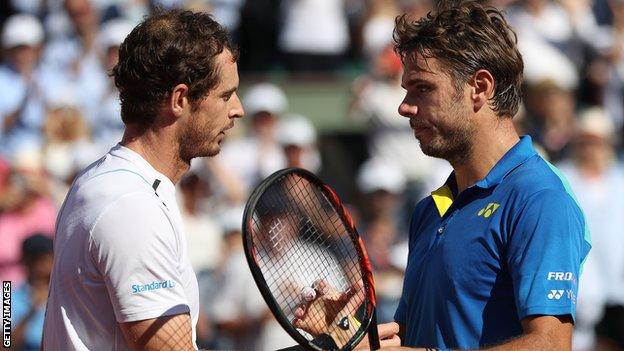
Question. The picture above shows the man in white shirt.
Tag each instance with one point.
(121, 278)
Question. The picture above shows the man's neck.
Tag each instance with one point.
(159, 149)
(491, 144)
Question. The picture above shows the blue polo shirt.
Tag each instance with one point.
(479, 262)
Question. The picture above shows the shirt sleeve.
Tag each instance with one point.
(545, 250)
(137, 251)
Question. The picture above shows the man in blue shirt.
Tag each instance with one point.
(495, 254)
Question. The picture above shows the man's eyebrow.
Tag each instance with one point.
(229, 91)
(413, 81)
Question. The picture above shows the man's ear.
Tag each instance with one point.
(178, 100)
(482, 88)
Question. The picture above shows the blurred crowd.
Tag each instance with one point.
(59, 111)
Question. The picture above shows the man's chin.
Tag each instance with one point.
(429, 149)
(211, 152)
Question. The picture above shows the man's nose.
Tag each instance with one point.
(407, 110)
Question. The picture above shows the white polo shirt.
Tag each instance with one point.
(119, 256)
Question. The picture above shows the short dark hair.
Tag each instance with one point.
(466, 36)
(166, 49)
(35, 246)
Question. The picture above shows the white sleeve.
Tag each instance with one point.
(137, 251)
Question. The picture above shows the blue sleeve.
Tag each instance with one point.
(546, 247)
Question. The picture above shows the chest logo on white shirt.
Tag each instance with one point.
(488, 210)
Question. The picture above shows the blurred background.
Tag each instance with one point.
(320, 84)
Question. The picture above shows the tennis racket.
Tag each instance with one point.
(309, 262)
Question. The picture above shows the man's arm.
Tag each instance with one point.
(162, 333)
(540, 333)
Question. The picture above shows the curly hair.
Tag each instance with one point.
(466, 36)
(166, 49)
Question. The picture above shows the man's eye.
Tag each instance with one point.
(227, 97)
(423, 89)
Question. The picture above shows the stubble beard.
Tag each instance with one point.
(193, 143)
(453, 144)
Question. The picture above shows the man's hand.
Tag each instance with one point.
(388, 337)
(324, 312)
(333, 313)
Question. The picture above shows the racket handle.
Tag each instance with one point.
(373, 333)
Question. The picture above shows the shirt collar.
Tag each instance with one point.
(523, 150)
(517, 155)
(156, 179)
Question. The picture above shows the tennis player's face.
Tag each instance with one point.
(438, 113)
(203, 131)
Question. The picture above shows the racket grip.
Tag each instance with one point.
(373, 333)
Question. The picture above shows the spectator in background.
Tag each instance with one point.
(550, 84)
(226, 12)
(598, 181)
(258, 154)
(132, 11)
(314, 35)
(378, 27)
(68, 147)
(379, 23)
(5, 173)
(297, 136)
(76, 57)
(108, 127)
(566, 25)
(206, 248)
(210, 284)
(29, 299)
(607, 69)
(550, 117)
(204, 236)
(24, 209)
(25, 85)
(382, 185)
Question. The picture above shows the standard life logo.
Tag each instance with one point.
(155, 285)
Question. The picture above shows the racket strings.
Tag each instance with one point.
(300, 241)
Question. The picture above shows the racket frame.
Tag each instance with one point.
(365, 265)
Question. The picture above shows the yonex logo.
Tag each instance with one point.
(488, 210)
(555, 294)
